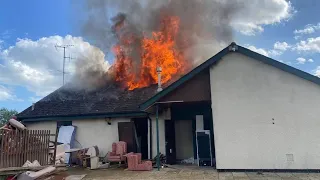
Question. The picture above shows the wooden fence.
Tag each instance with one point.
(16, 147)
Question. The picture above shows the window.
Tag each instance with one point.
(64, 123)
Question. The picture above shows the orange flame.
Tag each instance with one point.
(157, 50)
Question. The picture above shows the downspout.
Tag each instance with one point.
(159, 70)
(150, 140)
(157, 127)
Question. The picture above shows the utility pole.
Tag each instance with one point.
(64, 58)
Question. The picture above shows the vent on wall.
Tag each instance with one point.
(290, 157)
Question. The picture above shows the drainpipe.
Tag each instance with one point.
(157, 127)
(150, 135)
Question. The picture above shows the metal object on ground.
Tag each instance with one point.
(204, 152)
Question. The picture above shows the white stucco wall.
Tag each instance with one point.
(89, 132)
(46, 125)
(92, 132)
(246, 96)
(162, 145)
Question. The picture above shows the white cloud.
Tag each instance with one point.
(310, 45)
(37, 65)
(288, 63)
(297, 37)
(264, 52)
(259, 50)
(249, 29)
(310, 60)
(258, 13)
(317, 71)
(273, 52)
(34, 99)
(283, 46)
(6, 34)
(1, 42)
(301, 60)
(308, 29)
(6, 94)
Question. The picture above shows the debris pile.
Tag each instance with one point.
(163, 160)
(19, 145)
(13, 124)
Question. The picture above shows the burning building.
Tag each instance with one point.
(202, 110)
(237, 110)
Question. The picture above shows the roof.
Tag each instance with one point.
(110, 101)
(113, 101)
(233, 47)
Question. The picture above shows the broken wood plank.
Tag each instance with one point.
(17, 170)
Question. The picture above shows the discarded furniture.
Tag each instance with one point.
(93, 156)
(204, 152)
(66, 136)
(119, 149)
(135, 163)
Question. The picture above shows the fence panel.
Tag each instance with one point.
(16, 147)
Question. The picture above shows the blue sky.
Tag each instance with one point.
(29, 31)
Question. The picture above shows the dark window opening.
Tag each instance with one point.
(63, 123)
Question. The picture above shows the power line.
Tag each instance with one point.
(64, 58)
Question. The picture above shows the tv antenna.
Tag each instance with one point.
(64, 58)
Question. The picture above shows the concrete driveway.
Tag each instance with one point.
(185, 173)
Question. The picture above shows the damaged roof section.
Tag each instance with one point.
(110, 100)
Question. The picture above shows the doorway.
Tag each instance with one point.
(141, 136)
(135, 134)
(170, 141)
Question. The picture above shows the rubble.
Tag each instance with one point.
(34, 175)
(35, 163)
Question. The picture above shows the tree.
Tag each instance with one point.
(5, 115)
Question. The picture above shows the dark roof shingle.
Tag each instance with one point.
(70, 102)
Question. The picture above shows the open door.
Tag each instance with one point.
(170, 142)
(126, 134)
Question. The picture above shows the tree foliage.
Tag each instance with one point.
(6, 114)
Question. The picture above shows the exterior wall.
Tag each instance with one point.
(92, 132)
(89, 132)
(162, 143)
(47, 125)
(264, 118)
(184, 139)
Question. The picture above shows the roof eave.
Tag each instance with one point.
(83, 116)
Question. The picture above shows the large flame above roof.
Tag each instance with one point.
(158, 49)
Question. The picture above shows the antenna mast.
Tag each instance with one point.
(64, 58)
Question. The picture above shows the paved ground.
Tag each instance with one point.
(186, 173)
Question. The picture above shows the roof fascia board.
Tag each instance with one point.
(66, 118)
